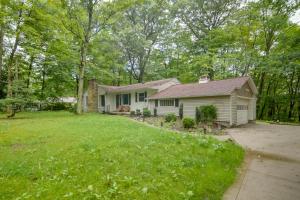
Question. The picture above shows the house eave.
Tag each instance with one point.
(189, 97)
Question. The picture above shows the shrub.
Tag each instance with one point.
(138, 112)
(155, 112)
(58, 106)
(208, 113)
(11, 105)
(181, 111)
(146, 112)
(73, 108)
(170, 117)
(197, 115)
(188, 122)
(132, 113)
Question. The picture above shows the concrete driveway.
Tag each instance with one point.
(272, 166)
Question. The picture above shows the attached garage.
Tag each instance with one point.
(242, 111)
(235, 99)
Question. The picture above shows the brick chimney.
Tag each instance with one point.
(92, 103)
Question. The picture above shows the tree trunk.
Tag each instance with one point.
(83, 50)
(1, 50)
(260, 87)
(264, 103)
(29, 71)
(43, 83)
(11, 61)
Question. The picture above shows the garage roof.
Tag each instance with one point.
(211, 88)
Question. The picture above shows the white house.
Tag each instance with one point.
(235, 99)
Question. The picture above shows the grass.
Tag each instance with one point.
(58, 155)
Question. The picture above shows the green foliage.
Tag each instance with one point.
(206, 113)
(138, 112)
(197, 115)
(181, 111)
(170, 117)
(188, 122)
(146, 112)
(58, 106)
(15, 103)
(132, 113)
(109, 157)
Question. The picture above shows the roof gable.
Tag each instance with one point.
(147, 85)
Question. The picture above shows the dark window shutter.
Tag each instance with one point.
(129, 101)
(136, 96)
(176, 102)
(145, 96)
(117, 100)
(156, 103)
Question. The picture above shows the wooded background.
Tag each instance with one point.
(49, 49)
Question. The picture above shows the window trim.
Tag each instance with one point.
(139, 96)
(167, 102)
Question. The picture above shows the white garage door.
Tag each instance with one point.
(242, 114)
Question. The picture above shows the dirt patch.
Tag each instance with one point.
(18, 147)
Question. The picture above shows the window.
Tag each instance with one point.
(141, 97)
(242, 107)
(156, 103)
(125, 99)
(166, 102)
(176, 102)
(102, 100)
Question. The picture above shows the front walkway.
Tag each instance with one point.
(272, 165)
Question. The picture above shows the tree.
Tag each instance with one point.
(85, 19)
(139, 30)
(202, 17)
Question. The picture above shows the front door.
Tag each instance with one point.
(102, 101)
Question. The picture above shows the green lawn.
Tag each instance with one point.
(58, 155)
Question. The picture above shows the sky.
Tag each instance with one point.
(296, 17)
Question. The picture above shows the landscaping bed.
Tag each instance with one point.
(58, 155)
(159, 121)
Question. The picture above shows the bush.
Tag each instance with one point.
(181, 111)
(132, 113)
(188, 122)
(58, 106)
(197, 115)
(171, 117)
(207, 113)
(146, 112)
(138, 112)
(155, 112)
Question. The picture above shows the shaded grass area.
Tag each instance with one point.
(58, 155)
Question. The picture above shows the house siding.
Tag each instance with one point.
(222, 104)
(233, 98)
